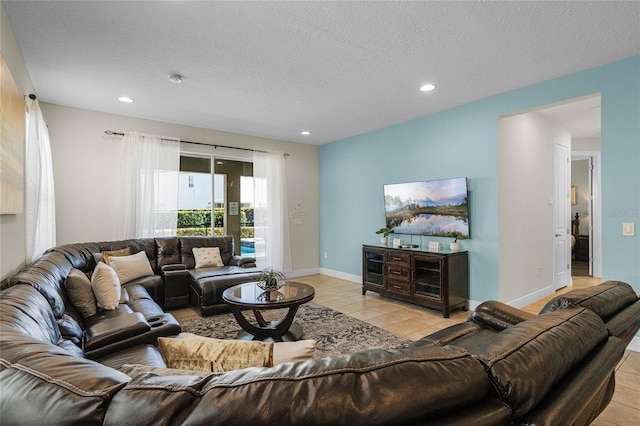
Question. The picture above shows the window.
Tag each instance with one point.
(194, 196)
(218, 203)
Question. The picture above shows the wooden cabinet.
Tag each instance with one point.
(373, 269)
(582, 248)
(434, 280)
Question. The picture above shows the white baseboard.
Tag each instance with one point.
(342, 275)
(473, 304)
(531, 297)
(302, 272)
(324, 271)
(634, 344)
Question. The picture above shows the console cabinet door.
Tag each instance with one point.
(429, 276)
(373, 268)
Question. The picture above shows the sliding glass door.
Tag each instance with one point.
(237, 201)
(216, 200)
(194, 196)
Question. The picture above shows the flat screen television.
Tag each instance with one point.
(432, 207)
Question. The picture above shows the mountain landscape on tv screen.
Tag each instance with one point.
(438, 207)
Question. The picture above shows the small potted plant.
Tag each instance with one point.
(271, 280)
(384, 240)
(455, 245)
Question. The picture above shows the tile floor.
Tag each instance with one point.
(413, 322)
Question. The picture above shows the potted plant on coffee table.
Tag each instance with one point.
(271, 279)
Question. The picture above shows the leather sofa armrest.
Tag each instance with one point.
(176, 286)
(581, 396)
(242, 261)
(497, 315)
(114, 329)
(174, 267)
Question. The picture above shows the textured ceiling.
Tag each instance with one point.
(273, 69)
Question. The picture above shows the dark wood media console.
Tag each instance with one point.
(438, 280)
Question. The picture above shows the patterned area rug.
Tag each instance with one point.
(335, 333)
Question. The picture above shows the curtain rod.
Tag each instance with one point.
(112, 133)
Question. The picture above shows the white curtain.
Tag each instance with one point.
(149, 172)
(270, 211)
(40, 203)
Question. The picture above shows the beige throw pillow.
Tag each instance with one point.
(131, 267)
(214, 355)
(80, 293)
(105, 255)
(300, 350)
(207, 257)
(106, 286)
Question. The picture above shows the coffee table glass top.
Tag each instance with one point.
(251, 294)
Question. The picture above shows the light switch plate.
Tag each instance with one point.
(628, 229)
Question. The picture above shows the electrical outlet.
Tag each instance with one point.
(326, 255)
(539, 271)
(300, 208)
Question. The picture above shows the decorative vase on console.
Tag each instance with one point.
(455, 245)
(384, 240)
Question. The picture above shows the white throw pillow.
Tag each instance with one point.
(207, 257)
(131, 267)
(106, 286)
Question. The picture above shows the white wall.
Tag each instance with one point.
(525, 208)
(585, 144)
(12, 226)
(86, 167)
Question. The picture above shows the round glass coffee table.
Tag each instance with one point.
(249, 296)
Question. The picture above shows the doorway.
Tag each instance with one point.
(583, 119)
(585, 211)
(528, 196)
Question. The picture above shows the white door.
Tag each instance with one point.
(561, 213)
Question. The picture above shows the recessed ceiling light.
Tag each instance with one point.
(125, 99)
(427, 87)
(176, 78)
(305, 132)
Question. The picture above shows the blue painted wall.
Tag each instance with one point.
(463, 142)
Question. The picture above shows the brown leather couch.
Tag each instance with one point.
(176, 282)
(138, 319)
(500, 367)
(208, 284)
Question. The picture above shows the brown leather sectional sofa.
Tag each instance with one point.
(502, 366)
(176, 282)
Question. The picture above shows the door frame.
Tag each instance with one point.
(595, 228)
